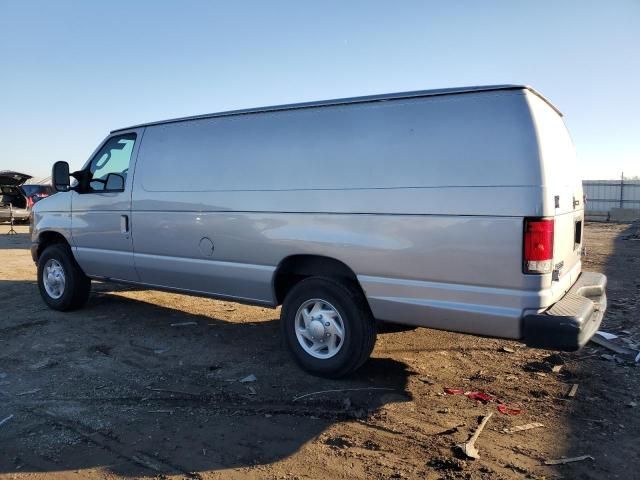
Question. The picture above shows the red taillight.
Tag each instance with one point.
(538, 245)
(29, 202)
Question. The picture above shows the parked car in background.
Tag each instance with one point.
(458, 209)
(13, 197)
(36, 192)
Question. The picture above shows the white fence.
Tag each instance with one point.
(605, 195)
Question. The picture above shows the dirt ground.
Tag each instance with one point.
(118, 390)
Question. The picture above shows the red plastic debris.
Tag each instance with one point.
(504, 408)
(481, 397)
(509, 410)
(454, 391)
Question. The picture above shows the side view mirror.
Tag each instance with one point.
(60, 177)
(114, 183)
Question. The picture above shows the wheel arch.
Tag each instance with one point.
(47, 238)
(295, 268)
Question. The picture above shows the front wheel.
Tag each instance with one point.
(63, 285)
(328, 327)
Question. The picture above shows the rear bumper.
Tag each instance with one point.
(571, 322)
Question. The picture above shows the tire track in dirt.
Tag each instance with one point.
(108, 443)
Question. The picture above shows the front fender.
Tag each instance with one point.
(51, 216)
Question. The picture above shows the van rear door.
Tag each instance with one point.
(563, 196)
(569, 225)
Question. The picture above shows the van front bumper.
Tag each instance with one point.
(571, 322)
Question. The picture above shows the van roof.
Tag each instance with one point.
(344, 101)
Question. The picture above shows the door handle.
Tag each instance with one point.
(124, 224)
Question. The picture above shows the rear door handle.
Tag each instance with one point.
(124, 224)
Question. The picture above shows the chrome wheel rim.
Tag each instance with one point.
(319, 328)
(53, 278)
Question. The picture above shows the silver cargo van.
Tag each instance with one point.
(459, 209)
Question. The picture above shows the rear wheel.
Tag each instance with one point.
(328, 327)
(63, 285)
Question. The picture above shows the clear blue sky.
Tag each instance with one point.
(72, 71)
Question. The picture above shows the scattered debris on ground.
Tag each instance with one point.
(563, 461)
(184, 324)
(521, 428)
(608, 341)
(248, 378)
(6, 419)
(482, 397)
(339, 390)
(468, 448)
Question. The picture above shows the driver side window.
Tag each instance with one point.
(113, 157)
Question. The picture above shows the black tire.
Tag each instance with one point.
(77, 285)
(359, 325)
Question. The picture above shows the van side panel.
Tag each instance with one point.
(423, 199)
(482, 139)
